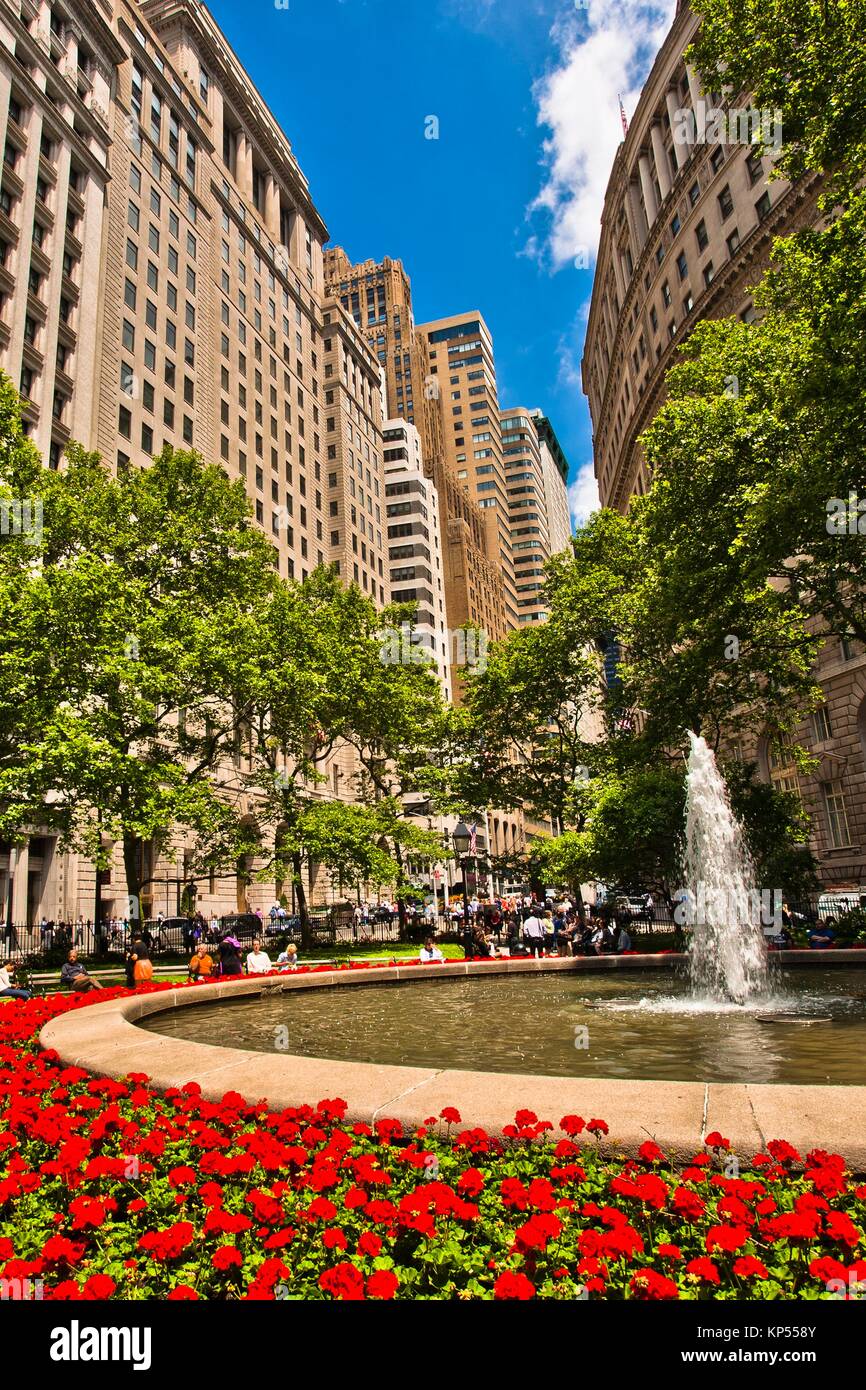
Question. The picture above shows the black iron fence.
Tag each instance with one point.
(47, 944)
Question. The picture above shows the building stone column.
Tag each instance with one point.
(22, 269)
(637, 221)
(620, 273)
(272, 206)
(681, 152)
(20, 878)
(244, 172)
(71, 54)
(661, 159)
(42, 433)
(694, 87)
(647, 189)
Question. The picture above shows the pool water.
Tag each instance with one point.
(643, 1026)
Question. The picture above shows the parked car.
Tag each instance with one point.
(171, 932)
(634, 906)
(244, 925)
(282, 926)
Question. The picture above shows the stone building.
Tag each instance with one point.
(378, 296)
(161, 281)
(689, 217)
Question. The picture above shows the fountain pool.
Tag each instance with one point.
(646, 1026)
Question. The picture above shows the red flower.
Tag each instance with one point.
(344, 1281)
(524, 1118)
(537, 1231)
(334, 1239)
(783, 1152)
(716, 1141)
(511, 1285)
(58, 1249)
(747, 1267)
(369, 1244)
(182, 1291)
(382, 1284)
(450, 1115)
(839, 1226)
(598, 1127)
(649, 1284)
(725, 1238)
(572, 1124)
(650, 1152)
(704, 1270)
(688, 1204)
(98, 1286)
(86, 1211)
(471, 1181)
(669, 1252)
(227, 1257)
(321, 1209)
(183, 1176)
(827, 1268)
(170, 1243)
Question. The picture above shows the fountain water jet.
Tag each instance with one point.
(727, 954)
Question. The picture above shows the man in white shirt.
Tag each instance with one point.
(533, 934)
(429, 951)
(258, 961)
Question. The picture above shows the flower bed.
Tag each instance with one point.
(110, 1189)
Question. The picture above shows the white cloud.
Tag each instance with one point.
(606, 49)
(583, 497)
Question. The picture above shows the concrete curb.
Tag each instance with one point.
(102, 1038)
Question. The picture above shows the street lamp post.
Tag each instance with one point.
(462, 837)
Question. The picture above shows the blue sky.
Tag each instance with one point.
(500, 212)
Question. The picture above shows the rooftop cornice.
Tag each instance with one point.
(245, 98)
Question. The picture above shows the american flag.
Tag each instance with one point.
(473, 838)
(622, 116)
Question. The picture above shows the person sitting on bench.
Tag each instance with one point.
(7, 989)
(74, 975)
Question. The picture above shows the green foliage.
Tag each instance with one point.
(530, 717)
(806, 58)
(125, 644)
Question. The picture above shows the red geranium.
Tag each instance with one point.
(512, 1285)
(227, 1257)
(649, 1284)
(704, 1270)
(344, 1281)
(382, 1284)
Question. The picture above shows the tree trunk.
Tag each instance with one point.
(131, 849)
(401, 906)
(303, 909)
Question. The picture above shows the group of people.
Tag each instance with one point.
(527, 926)
(226, 959)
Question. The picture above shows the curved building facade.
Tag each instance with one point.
(689, 217)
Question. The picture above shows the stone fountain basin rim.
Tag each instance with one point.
(102, 1039)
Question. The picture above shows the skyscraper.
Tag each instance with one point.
(460, 362)
(178, 301)
(378, 297)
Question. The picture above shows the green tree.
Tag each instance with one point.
(317, 684)
(532, 713)
(135, 617)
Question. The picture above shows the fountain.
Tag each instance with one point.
(727, 954)
(630, 1018)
